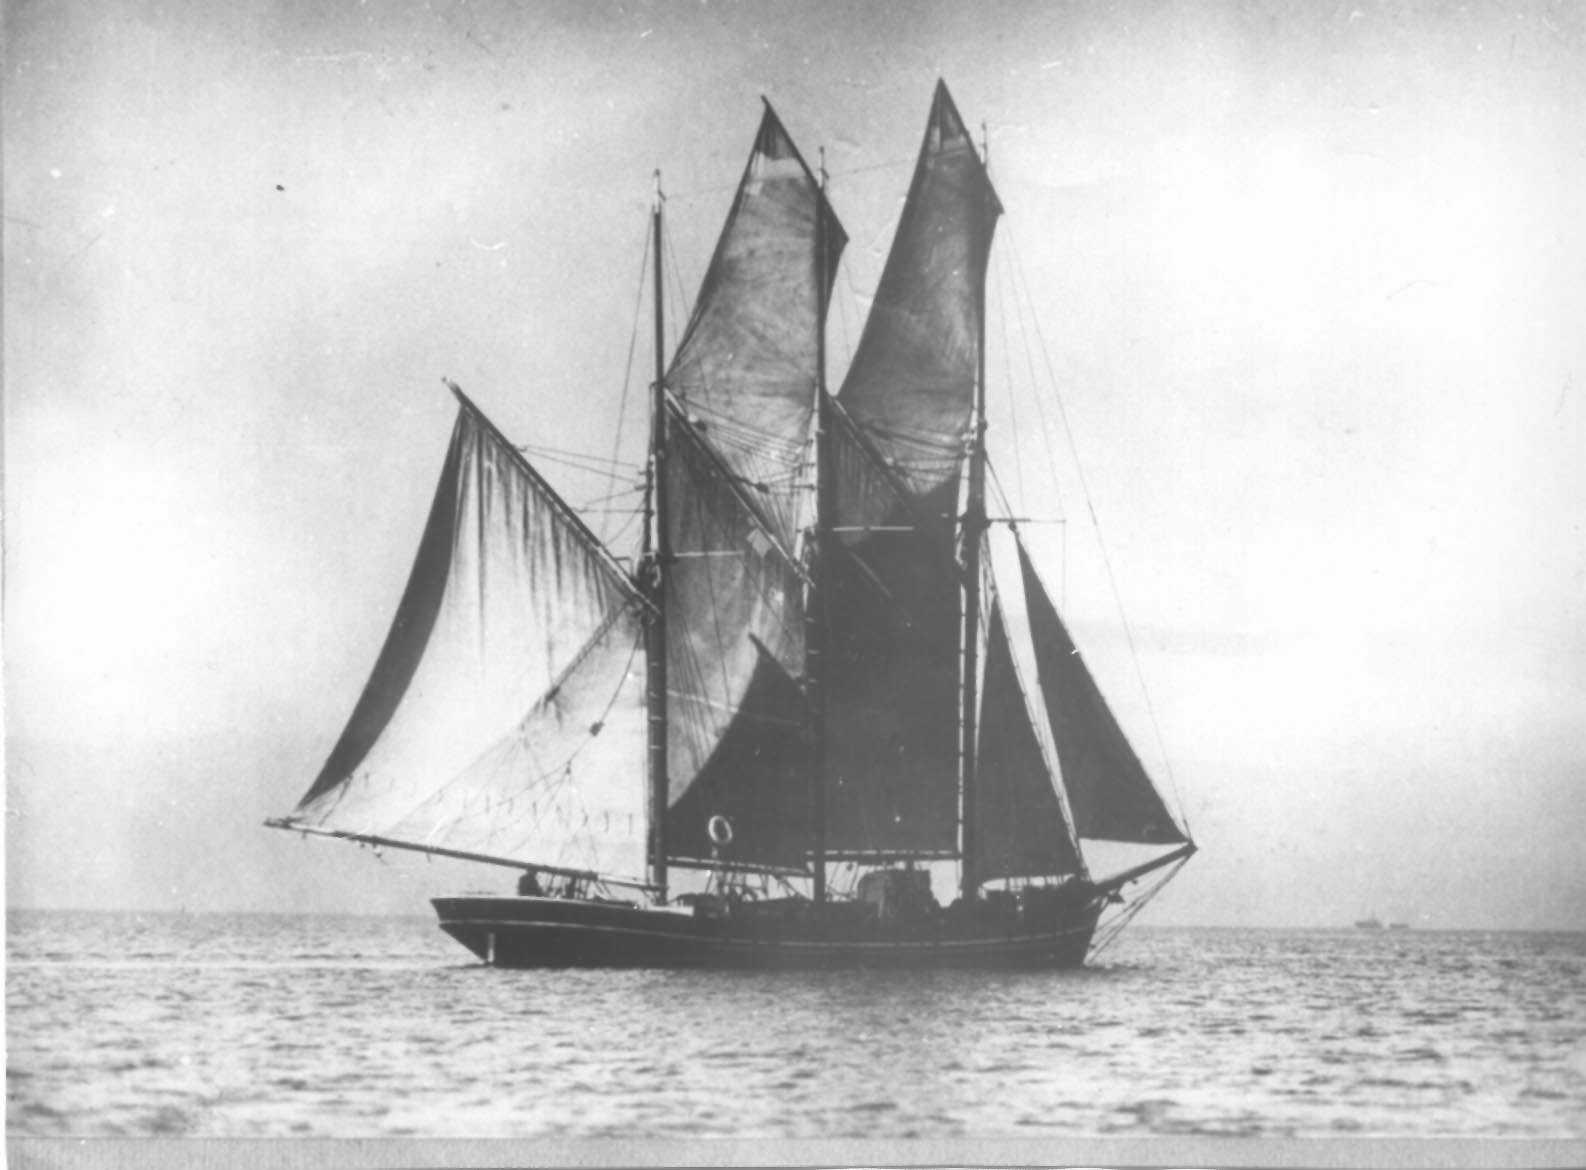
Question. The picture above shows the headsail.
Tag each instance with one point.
(1112, 797)
(504, 716)
(746, 367)
(1020, 828)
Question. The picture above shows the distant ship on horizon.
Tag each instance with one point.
(1372, 922)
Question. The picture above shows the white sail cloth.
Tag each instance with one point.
(505, 714)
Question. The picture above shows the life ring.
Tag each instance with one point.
(719, 828)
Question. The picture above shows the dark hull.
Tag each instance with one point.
(552, 932)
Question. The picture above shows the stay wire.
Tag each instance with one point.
(627, 373)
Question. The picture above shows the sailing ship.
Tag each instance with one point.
(813, 690)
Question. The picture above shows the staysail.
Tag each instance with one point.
(1020, 829)
(1112, 796)
(746, 368)
(504, 717)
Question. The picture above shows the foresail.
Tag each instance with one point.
(504, 716)
(735, 650)
(1109, 791)
(1020, 829)
(912, 379)
(747, 366)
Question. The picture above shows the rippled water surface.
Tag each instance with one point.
(122, 1024)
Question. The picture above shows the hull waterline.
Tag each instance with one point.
(549, 932)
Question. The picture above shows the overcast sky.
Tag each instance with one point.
(1310, 281)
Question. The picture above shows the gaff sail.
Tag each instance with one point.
(504, 717)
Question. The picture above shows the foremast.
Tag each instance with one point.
(815, 609)
(654, 561)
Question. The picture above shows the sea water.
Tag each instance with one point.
(279, 1026)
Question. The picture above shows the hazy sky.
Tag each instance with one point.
(1310, 279)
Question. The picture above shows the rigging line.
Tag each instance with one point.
(610, 497)
(1013, 412)
(1114, 926)
(1106, 559)
(1019, 308)
(716, 188)
(682, 298)
(589, 466)
(878, 166)
(542, 451)
(728, 432)
(569, 518)
(633, 341)
(710, 459)
(996, 486)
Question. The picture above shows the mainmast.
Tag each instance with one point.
(971, 525)
(655, 560)
(815, 618)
